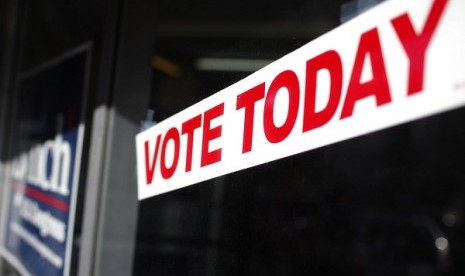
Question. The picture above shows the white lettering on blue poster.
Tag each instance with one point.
(44, 173)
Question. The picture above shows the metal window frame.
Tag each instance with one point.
(122, 91)
(110, 205)
(12, 33)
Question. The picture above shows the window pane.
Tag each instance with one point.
(386, 203)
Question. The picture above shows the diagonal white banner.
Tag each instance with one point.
(398, 62)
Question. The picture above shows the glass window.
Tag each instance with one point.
(386, 203)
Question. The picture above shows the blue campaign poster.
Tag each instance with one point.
(45, 170)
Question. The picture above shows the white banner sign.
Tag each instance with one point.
(398, 62)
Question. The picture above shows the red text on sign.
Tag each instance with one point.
(174, 137)
(369, 52)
